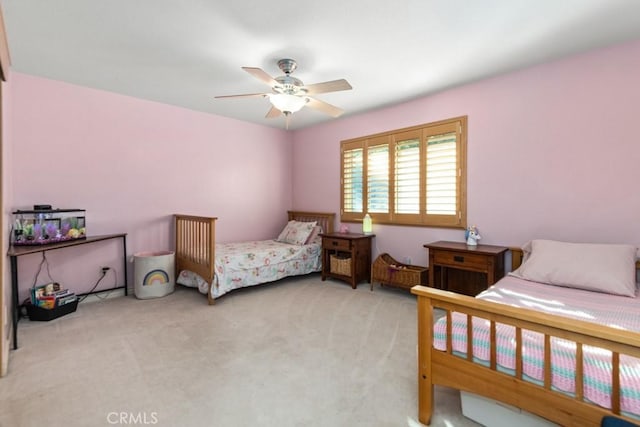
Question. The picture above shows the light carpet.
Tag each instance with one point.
(298, 352)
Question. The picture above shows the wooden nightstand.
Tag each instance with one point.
(469, 270)
(347, 256)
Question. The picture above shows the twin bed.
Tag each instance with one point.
(568, 354)
(218, 268)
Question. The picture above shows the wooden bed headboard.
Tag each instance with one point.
(516, 257)
(324, 219)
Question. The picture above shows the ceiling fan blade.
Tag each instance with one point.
(259, 74)
(273, 113)
(324, 87)
(329, 109)
(246, 95)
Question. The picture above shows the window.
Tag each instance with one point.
(352, 179)
(377, 177)
(413, 176)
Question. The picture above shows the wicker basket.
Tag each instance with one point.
(340, 265)
(388, 271)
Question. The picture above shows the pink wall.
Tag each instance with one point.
(132, 164)
(552, 153)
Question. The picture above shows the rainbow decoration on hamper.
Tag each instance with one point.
(154, 277)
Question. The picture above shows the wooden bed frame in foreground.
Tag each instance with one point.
(196, 237)
(446, 369)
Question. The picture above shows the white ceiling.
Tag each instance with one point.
(184, 52)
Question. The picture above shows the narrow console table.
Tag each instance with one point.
(18, 251)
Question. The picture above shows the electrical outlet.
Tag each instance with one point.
(104, 270)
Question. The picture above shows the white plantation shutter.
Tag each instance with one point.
(352, 180)
(407, 177)
(442, 174)
(378, 179)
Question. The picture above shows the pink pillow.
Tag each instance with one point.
(594, 267)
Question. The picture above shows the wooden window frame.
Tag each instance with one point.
(392, 138)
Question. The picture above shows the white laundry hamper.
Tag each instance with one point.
(154, 274)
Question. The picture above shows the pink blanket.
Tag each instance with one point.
(614, 311)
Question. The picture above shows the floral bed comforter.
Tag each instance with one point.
(239, 265)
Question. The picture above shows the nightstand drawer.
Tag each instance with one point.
(458, 259)
(331, 243)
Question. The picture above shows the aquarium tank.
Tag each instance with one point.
(43, 226)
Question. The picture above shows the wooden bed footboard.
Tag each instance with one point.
(195, 246)
(460, 372)
(195, 241)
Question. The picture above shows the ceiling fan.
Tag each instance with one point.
(288, 94)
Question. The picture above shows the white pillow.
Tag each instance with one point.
(296, 232)
(595, 267)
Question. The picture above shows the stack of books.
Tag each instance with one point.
(51, 296)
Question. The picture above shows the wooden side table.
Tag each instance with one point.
(347, 256)
(469, 270)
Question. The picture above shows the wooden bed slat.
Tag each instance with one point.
(547, 362)
(519, 353)
(449, 334)
(194, 251)
(493, 357)
(615, 383)
(469, 337)
(579, 372)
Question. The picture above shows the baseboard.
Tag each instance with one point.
(101, 296)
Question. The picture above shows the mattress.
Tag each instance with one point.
(614, 311)
(238, 265)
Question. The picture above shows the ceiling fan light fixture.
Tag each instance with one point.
(288, 94)
(287, 103)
